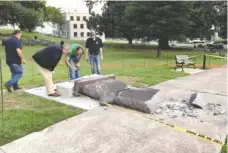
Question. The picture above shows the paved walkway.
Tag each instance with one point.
(108, 130)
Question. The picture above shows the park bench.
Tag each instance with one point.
(182, 60)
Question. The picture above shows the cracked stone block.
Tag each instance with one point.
(137, 98)
(79, 84)
(197, 100)
(105, 90)
(65, 89)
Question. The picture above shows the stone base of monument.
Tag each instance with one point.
(65, 89)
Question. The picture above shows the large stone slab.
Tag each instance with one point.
(78, 85)
(105, 90)
(136, 98)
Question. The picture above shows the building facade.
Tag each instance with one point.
(75, 26)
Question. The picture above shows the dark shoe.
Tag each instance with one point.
(17, 89)
(8, 88)
(55, 95)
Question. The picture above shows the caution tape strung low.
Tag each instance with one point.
(179, 129)
(215, 56)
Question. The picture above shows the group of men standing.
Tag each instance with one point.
(48, 58)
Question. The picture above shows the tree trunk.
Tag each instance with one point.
(130, 40)
(163, 43)
(158, 52)
(30, 29)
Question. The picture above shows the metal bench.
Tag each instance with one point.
(182, 60)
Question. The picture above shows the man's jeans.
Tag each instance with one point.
(95, 62)
(16, 73)
(74, 74)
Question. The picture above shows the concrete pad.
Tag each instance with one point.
(189, 70)
(108, 130)
(212, 81)
(78, 85)
(80, 102)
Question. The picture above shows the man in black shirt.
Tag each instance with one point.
(47, 59)
(93, 50)
(14, 59)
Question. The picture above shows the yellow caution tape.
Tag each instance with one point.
(216, 56)
(179, 129)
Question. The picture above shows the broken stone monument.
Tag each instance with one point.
(105, 90)
(136, 98)
(79, 84)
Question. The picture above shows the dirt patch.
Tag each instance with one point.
(11, 101)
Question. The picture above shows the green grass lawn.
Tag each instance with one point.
(24, 114)
(140, 64)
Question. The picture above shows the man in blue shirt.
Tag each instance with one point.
(47, 59)
(94, 52)
(14, 59)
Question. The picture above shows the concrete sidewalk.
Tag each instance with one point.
(107, 130)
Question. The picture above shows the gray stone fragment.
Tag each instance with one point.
(79, 84)
(192, 114)
(176, 107)
(164, 108)
(222, 111)
(105, 90)
(138, 99)
(216, 113)
(184, 101)
(197, 100)
(219, 104)
(191, 108)
(158, 111)
(172, 115)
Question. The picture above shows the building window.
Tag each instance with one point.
(75, 34)
(88, 34)
(82, 34)
(84, 18)
(78, 18)
(71, 18)
(82, 26)
(75, 26)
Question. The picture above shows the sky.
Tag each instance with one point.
(78, 5)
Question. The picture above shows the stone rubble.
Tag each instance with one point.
(182, 108)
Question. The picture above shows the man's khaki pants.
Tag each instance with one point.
(47, 79)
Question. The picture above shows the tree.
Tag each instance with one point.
(30, 20)
(90, 4)
(36, 5)
(161, 20)
(113, 21)
(53, 15)
(205, 14)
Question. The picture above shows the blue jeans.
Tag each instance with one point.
(74, 74)
(16, 73)
(95, 62)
